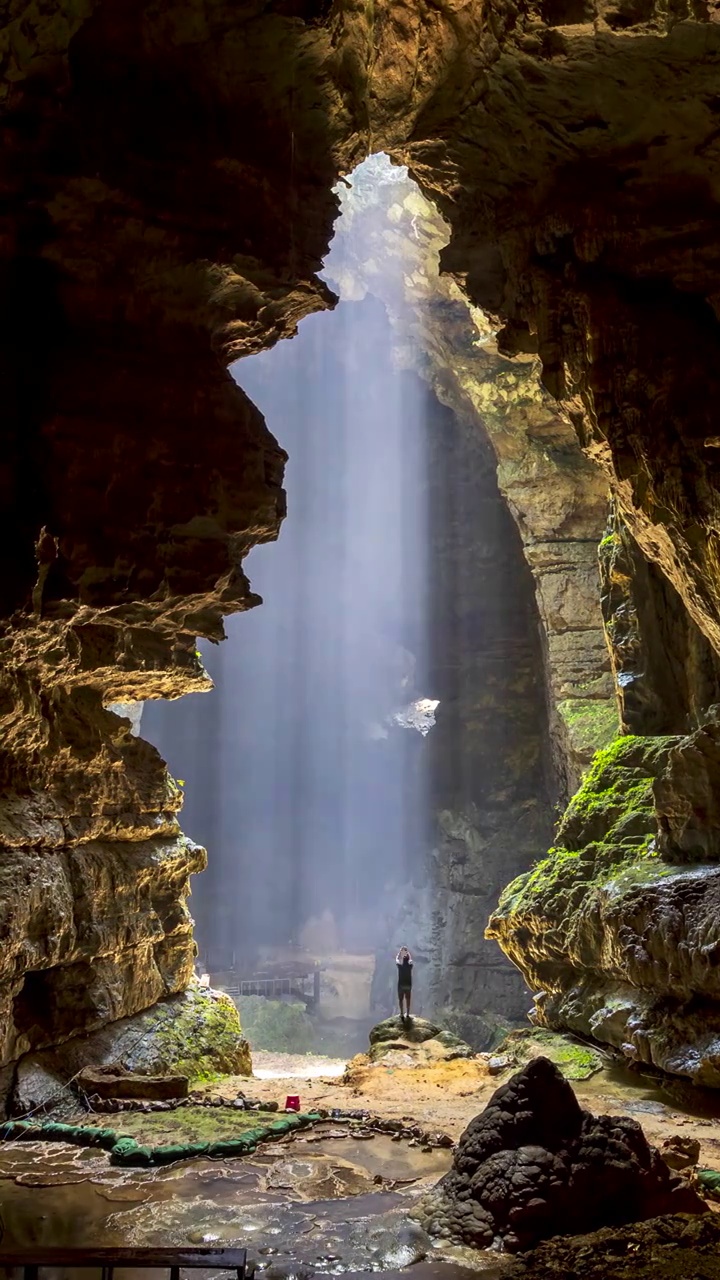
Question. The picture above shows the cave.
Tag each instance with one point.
(538, 277)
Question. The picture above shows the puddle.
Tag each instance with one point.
(641, 1092)
(328, 1206)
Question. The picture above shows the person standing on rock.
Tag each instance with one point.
(404, 962)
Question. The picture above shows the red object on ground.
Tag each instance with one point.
(292, 1102)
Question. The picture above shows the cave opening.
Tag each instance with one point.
(341, 820)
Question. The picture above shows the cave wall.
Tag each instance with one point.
(666, 671)
(491, 784)
(166, 206)
(389, 244)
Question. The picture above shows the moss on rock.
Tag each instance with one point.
(202, 1038)
(606, 835)
(575, 1061)
(613, 939)
(591, 723)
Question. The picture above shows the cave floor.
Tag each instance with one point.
(308, 1207)
(445, 1097)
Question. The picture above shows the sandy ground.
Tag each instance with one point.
(445, 1097)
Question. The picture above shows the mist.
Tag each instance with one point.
(305, 769)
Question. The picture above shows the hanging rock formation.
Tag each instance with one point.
(166, 204)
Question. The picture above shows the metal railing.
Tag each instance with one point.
(32, 1260)
(305, 986)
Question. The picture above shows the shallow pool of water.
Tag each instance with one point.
(319, 1204)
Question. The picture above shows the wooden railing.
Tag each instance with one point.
(32, 1260)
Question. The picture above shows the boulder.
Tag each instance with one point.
(191, 1035)
(113, 1082)
(420, 1041)
(533, 1164)
(575, 1060)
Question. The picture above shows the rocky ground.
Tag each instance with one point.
(447, 1095)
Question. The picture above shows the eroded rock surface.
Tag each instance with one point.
(533, 1164)
(665, 1249)
(619, 941)
(195, 1033)
(166, 208)
(418, 1039)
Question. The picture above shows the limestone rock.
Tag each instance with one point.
(681, 1153)
(574, 1060)
(92, 934)
(533, 1165)
(687, 798)
(148, 237)
(619, 944)
(195, 1034)
(113, 1082)
(666, 671)
(663, 1248)
(417, 1039)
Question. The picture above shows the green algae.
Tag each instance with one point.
(607, 835)
(591, 722)
(575, 1061)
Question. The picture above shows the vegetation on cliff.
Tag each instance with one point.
(203, 1038)
(607, 834)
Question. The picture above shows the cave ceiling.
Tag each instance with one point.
(166, 205)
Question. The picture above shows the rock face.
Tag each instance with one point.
(166, 207)
(195, 1034)
(533, 1165)
(425, 1041)
(617, 929)
(555, 494)
(666, 671)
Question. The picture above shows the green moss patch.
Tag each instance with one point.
(189, 1125)
(592, 723)
(607, 835)
(126, 1150)
(203, 1038)
(575, 1061)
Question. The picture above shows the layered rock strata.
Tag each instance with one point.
(166, 201)
(533, 1164)
(666, 671)
(617, 929)
(388, 243)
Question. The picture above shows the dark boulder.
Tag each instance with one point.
(535, 1165)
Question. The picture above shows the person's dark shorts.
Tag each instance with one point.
(404, 988)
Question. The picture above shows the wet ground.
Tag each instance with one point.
(323, 1202)
(447, 1096)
